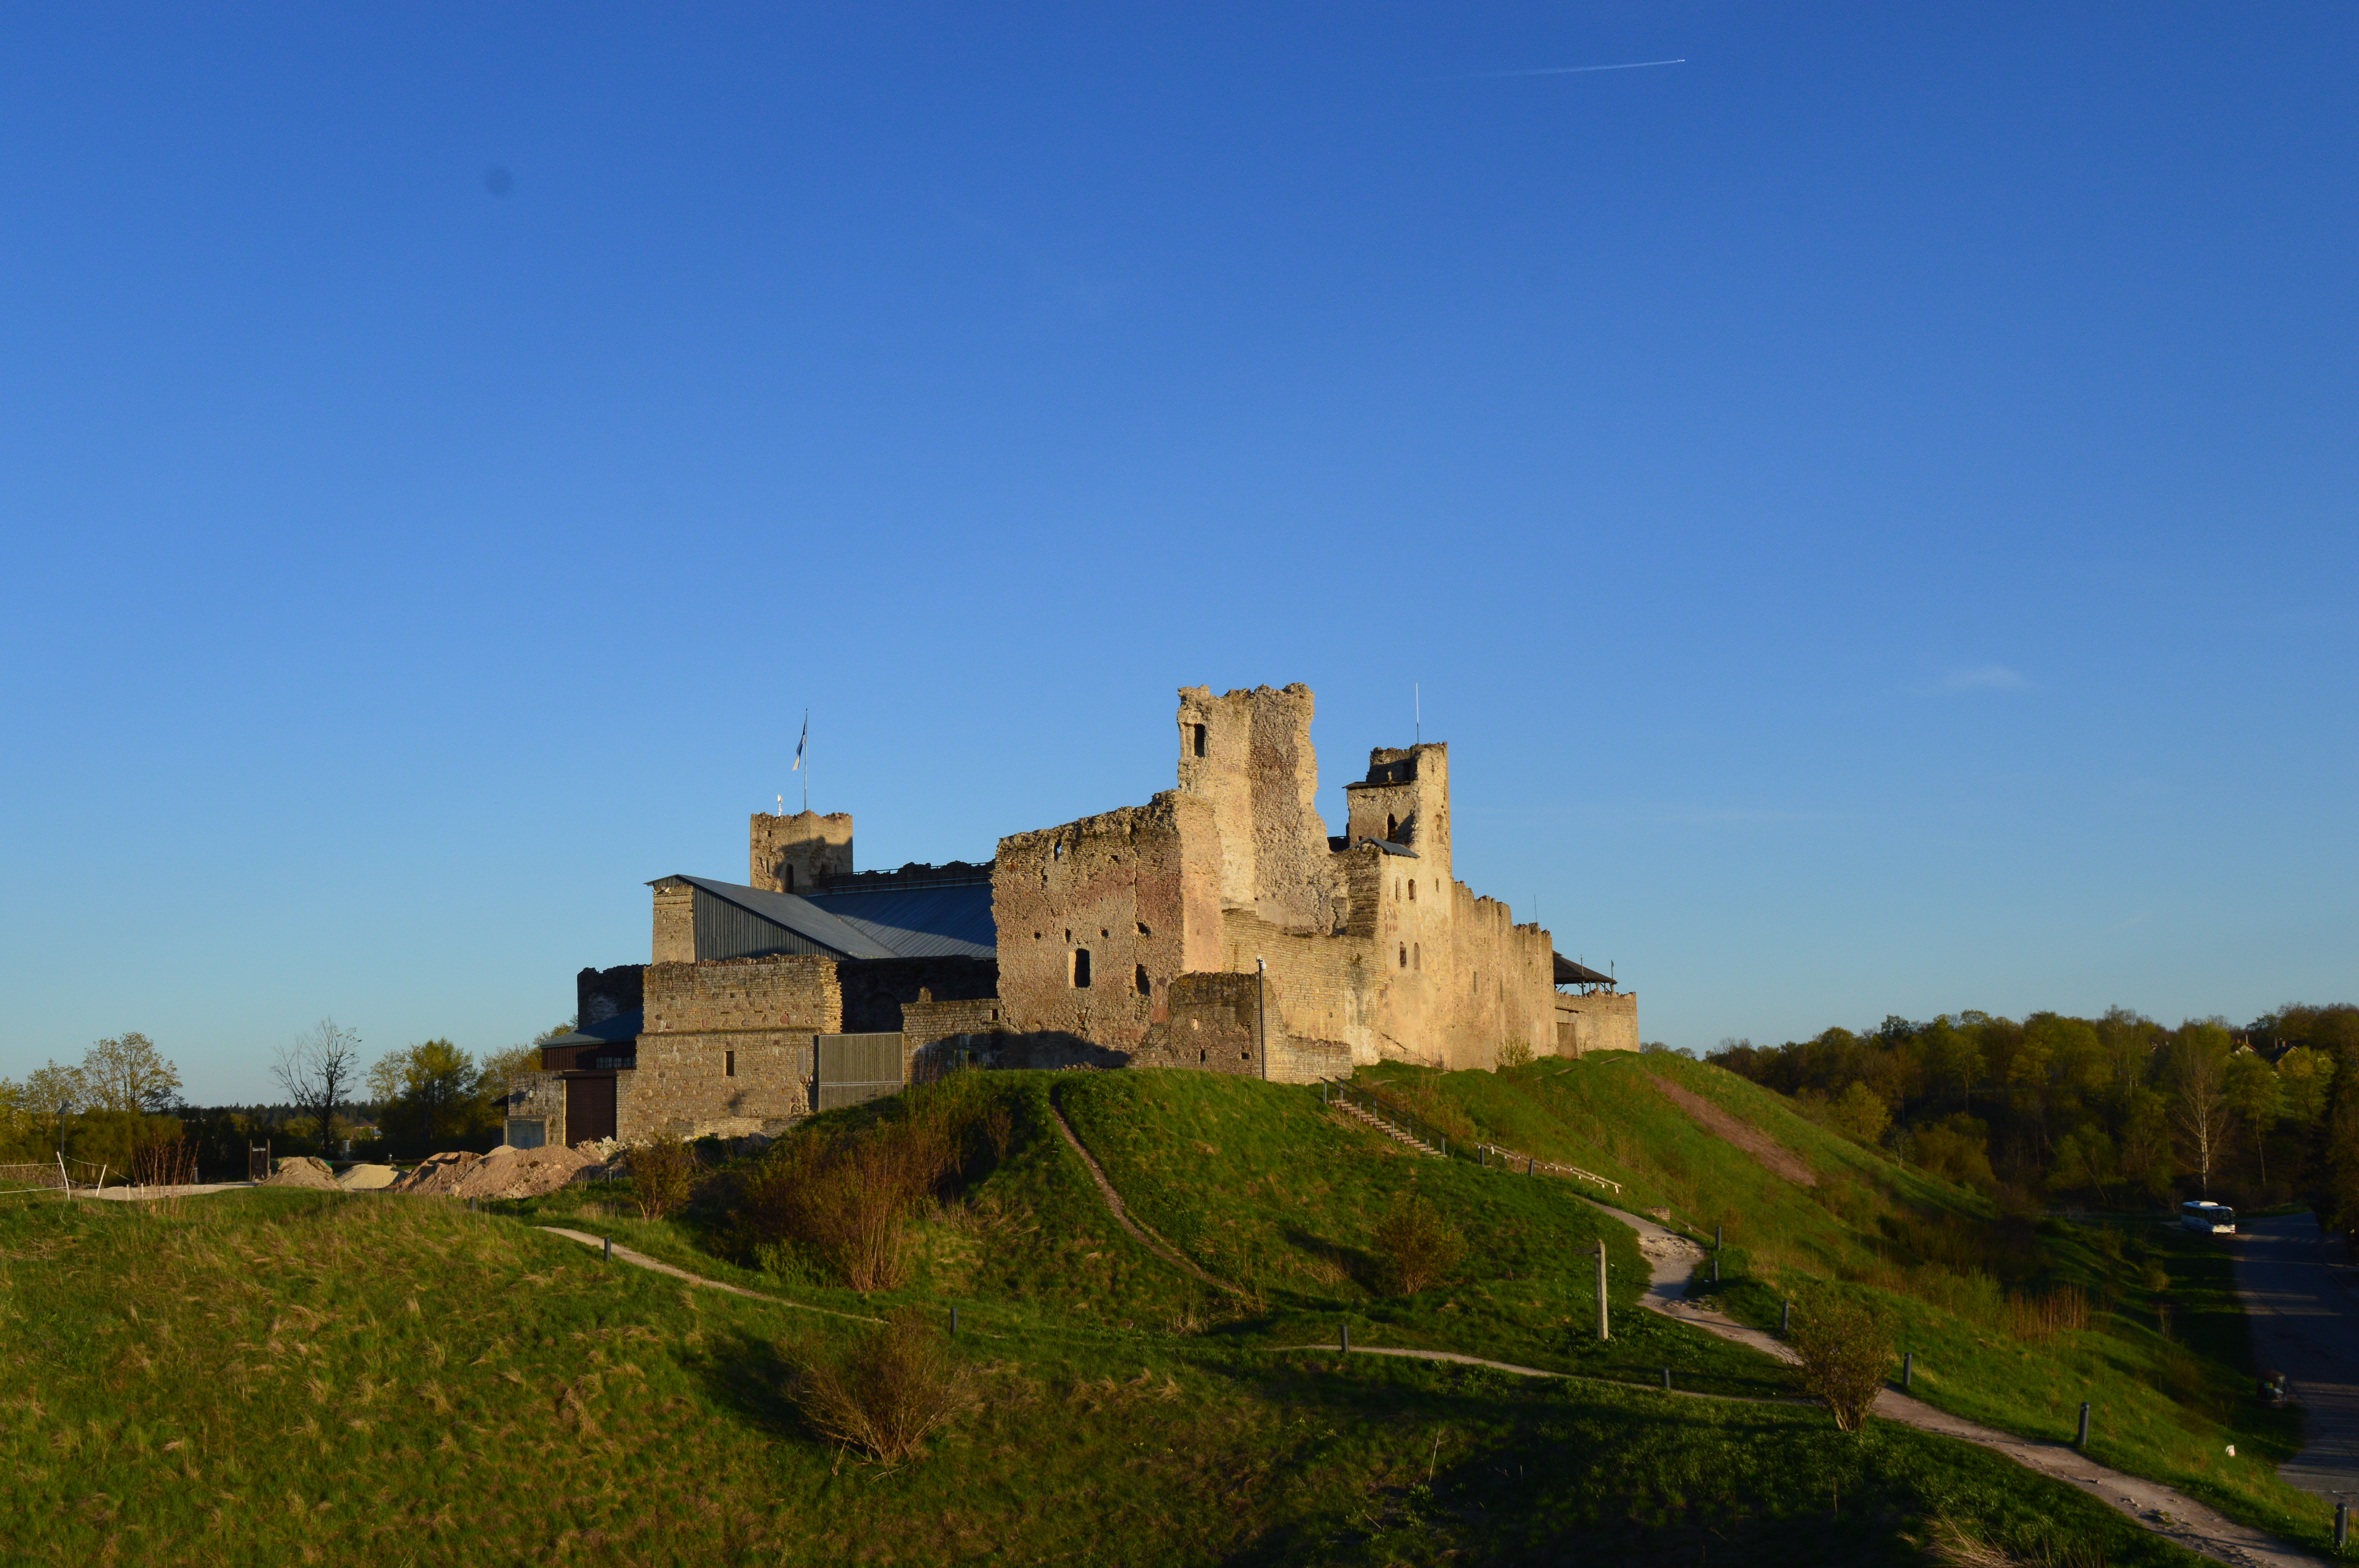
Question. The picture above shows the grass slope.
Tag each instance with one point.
(288, 1376)
(2166, 1358)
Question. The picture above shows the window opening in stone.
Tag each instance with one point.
(1146, 986)
(1057, 851)
(1412, 890)
(791, 879)
(1143, 931)
(1105, 932)
(1404, 956)
(1197, 738)
(1203, 1056)
(1416, 955)
(1081, 967)
(1391, 827)
(728, 1063)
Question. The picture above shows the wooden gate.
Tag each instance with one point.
(849, 1068)
(588, 1108)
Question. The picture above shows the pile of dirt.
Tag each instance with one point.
(1774, 1156)
(521, 1173)
(302, 1171)
(367, 1178)
(437, 1175)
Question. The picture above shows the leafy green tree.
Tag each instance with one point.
(2198, 1107)
(129, 1075)
(2304, 1076)
(426, 1092)
(1861, 1112)
(2256, 1098)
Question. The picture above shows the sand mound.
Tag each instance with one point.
(437, 1175)
(302, 1171)
(367, 1178)
(520, 1173)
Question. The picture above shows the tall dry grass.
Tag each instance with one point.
(848, 1195)
(899, 1384)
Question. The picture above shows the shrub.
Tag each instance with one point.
(1420, 1247)
(847, 1197)
(1515, 1054)
(663, 1170)
(899, 1384)
(1846, 1350)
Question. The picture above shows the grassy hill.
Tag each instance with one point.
(292, 1377)
(2162, 1353)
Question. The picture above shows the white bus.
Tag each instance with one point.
(2216, 1219)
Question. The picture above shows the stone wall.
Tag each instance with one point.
(1133, 890)
(1247, 755)
(727, 1048)
(675, 916)
(602, 994)
(540, 1096)
(1378, 953)
(789, 854)
(1601, 1020)
(877, 991)
(949, 1037)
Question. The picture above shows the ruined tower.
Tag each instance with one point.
(790, 854)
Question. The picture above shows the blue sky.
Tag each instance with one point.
(1870, 506)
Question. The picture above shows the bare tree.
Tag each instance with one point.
(129, 1074)
(2200, 1102)
(320, 1071)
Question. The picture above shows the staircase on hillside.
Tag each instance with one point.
(1398, 1135)
(1395, 1122)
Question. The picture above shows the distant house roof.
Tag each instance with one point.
(938, 922)
(1569, 973)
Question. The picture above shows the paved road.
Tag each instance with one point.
(2306, 1324)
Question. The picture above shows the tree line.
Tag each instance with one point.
(124, 1095)
(2115, 1111)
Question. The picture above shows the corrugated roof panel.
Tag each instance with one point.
(888, 922)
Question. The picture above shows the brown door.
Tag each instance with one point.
(588, 1108)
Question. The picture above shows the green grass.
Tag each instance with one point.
(287, 1377)
(1940, 1260)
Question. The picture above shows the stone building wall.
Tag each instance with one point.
(727, 1048)
(1247, 755)
(789, 854)
(877, 991)
(1601, 1020)
(1121, 887)
(538, 1096)
(1378, 953)
(602, 994)
(675, 917)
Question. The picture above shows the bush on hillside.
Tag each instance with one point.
(1846, 1349)
(1515, 1054)
(1419, 1246)
(663, 1169)
(899, 1384)
(847, 1194)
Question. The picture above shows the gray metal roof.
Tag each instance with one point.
(947, 920)
(890, 922)
(1386, 845)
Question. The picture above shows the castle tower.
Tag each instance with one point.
(790, 854)
(1405, 800)
(1247, 754)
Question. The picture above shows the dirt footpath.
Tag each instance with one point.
(1672, 1260)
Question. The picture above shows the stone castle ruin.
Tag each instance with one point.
(1218, 927)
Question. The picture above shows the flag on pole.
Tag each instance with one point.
(799, 744)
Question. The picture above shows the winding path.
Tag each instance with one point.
(2165, 1510)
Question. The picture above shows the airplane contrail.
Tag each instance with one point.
(1563, 70)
